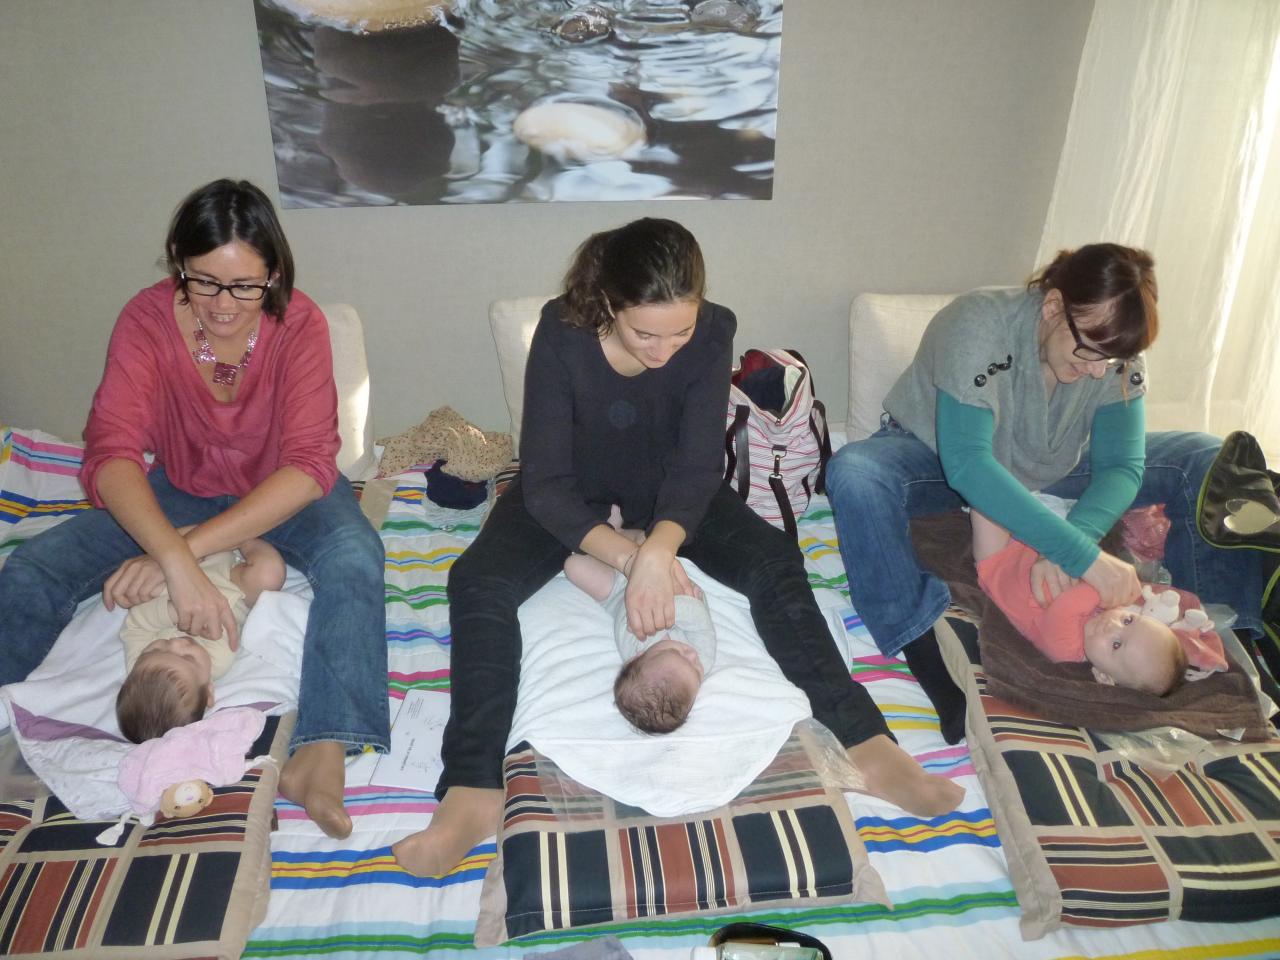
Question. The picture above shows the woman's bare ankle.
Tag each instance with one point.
(465, 817)
(892, 774)
(314, 778)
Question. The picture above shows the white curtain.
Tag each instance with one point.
(1173, 145)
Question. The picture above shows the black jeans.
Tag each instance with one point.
(514, 556)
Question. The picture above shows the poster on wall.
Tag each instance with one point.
(381, 102)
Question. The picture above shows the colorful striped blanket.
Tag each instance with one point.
(947, 877)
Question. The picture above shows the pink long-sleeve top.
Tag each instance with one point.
(152, 399)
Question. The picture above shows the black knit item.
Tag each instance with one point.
(925, 660)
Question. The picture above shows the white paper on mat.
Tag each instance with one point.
(416, 738)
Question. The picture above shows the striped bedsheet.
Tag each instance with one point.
(38, 484)
(947, 876)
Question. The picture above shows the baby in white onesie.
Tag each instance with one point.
(169, 675)
(660, 675)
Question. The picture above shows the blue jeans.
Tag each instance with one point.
(343, 690)
(876, 485)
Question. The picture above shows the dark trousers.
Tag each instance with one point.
(514, 556)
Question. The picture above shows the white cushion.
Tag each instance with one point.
(513, 322)
(884, 331)
(356, 456)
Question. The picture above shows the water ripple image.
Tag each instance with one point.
(385, 102)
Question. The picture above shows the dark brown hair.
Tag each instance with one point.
(646, 261)
(647, 706)
(154, 700)
(1099, 273)
(225, 210)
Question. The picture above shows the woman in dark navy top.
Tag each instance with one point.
(625, 395)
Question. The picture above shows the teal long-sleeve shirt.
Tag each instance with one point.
(1117, 453)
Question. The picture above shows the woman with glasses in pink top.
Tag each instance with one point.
(1014, 391)
(222, 371)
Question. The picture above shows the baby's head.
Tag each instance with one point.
(1132, 650)
(655, 689)
(169, 686)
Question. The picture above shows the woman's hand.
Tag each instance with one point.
(652, 583)
(1048, 580)
(202, 610)
(1115, 580)
(199, 608)
(135, 581)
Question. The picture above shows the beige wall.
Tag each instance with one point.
(918, 141)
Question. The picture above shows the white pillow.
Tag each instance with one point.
(513, 322)
(884, 331)
(356, 456)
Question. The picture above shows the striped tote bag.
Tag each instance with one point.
(776, 443)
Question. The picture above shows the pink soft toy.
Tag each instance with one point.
(1182, 613)
(172, 774)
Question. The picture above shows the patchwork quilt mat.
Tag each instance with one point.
(955, 885)
(192, 887)
(569, 856)
(1116, 830)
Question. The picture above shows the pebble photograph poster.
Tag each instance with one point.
(385, 102)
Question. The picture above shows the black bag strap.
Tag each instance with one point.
(780, 492)
(737, 451)
(818, 424)
(744, 930)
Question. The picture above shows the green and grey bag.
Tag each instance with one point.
(1239, 507)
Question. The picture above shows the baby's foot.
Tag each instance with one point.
(313, 778)
(893, 774)
(465, 817)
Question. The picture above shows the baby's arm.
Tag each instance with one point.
(989, 538)
(595, 577)
(262, 569)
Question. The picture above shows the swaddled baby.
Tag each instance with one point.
(661, 674)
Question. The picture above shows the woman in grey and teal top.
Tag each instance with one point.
(1013, 391)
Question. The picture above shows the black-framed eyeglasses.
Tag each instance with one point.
(1082, 350)
(211, 288)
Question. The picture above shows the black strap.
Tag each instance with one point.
(749, 932)
(780, 494)
(818, 423)
(737, 450)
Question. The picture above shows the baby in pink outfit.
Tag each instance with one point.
(1124, 646)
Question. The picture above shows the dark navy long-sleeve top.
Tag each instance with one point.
(652, 443)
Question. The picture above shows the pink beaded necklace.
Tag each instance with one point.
(223, 373)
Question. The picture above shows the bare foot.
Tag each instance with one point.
(313, 778)
(893, 774)
(465, 816)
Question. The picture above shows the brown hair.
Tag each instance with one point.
(224, 211)
(154, 700)
(648, 706)
(1099, 273)
(646, 261)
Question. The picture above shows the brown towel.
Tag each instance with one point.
(1066, 692)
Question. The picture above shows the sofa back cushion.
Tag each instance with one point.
(512, 323)
(356, 457)
(884, 331)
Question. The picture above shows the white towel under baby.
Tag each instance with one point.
(63, 715)
(743, 713)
